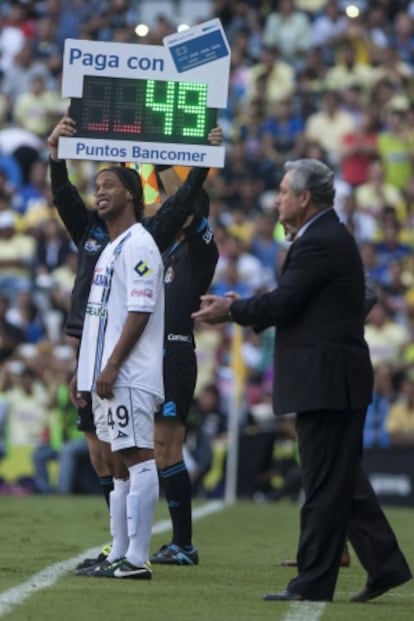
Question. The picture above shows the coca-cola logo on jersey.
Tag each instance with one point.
(142, 293)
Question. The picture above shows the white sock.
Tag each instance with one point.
(118, 519)
(141, 502)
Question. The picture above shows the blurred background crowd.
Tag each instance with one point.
(327, 79)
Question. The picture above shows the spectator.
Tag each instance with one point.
(16, 257)
(347, 71)
(25, 314)
(375, 194)
(277, 77)
(394, 290)
(385, 337)
(12, 40)
(396, 147)
(375, 429)
(250, 272)
(10, 334)
(263, 244)
(27, 401)
(390, 247)
(230, 280)
(52, 247)
(38, 109)
(402, 37)
(208, 405)
(197, 451)
(391, 67)
(45, 45)
(358, 149)
(400, 420)
(61, 442)
(329, 125)
(282, 139)
(328, 29)
(18, 77)
(290, 30)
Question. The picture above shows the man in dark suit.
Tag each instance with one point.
(322, 371)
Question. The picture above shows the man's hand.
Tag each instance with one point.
(214, 309)
(106, 380)
(65, 127)
(75, 396)
(215, 136)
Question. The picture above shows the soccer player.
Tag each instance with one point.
(120, 363)
(189, 266)
(89, 232)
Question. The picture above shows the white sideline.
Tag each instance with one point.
(305, 611)
(46, 578)
(298, 611)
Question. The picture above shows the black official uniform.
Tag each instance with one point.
(89, 233)
(189, 270)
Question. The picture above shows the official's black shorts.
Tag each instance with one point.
(180, 376)
(84, 422)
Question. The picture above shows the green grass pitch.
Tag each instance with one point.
(240, 547)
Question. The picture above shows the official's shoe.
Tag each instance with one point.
(345, 561)
(284, 596)
(371, 592)
(90, 562)
(172, 554)
(125, 569)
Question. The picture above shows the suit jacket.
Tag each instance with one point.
(321, 358)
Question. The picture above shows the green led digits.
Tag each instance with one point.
(192, 100)
(183, 105)
(143, 110)
(161, 101)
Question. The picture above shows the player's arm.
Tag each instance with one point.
(66, 198)
(133, 328)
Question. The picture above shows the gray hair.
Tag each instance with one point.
(315, 177)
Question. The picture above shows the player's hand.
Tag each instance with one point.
(215, 136)
(106, 380)
(75, 396)
(214, 309)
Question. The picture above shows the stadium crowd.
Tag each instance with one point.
(308, 78)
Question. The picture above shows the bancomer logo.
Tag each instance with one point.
(140, 154)
(166, 155)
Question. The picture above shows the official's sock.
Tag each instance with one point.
(177, 489)
(118, 518)
(107, 485)
(141, 502)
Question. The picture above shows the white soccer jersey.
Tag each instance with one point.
(128, 277)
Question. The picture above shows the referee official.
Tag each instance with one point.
(189, 265)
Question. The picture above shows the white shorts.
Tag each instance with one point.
(127, 419)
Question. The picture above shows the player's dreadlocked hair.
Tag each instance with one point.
(132, 181)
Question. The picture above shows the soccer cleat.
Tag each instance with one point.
(104, 569)
(172, 554)
(121, 568)
(90, 562)
(125, 569)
